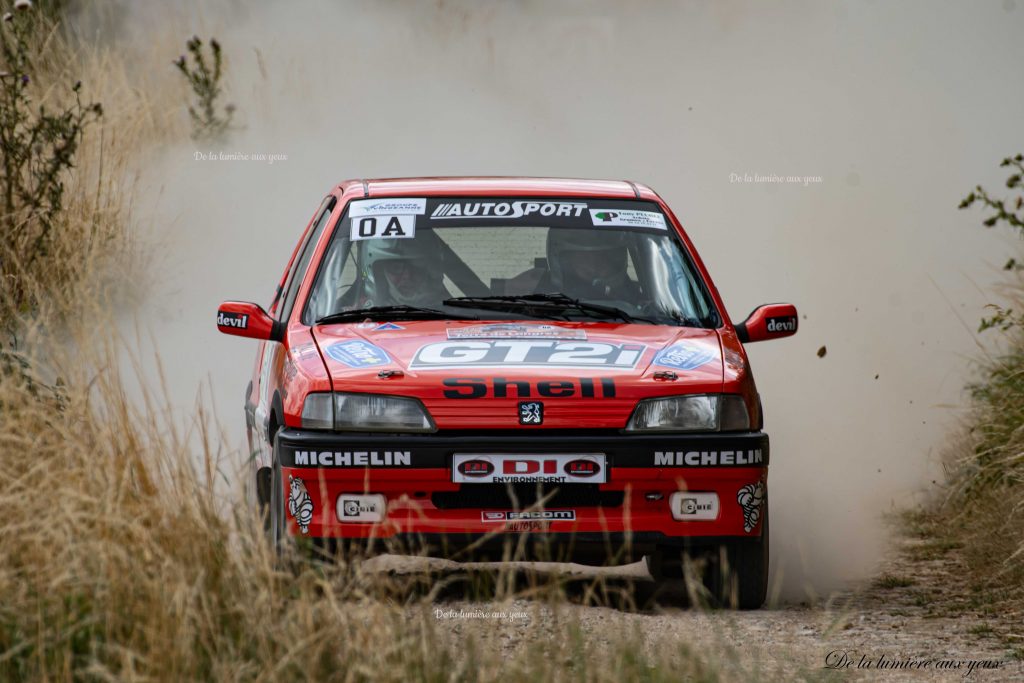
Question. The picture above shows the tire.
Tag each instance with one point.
(276, 517)
(742, 581)
(735, 575)
(672, 586)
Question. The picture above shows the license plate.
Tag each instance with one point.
(507, 468)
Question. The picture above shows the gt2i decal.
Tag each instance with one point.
(499, 387)
(515, 331)
(527, 353)
(628, 218)
(394, 206)
(531, 515)
(558, 468)
(382, 227)
(358, 354)
(236, 320)
(751, 498)
(300, 505)
(507, 210)
(784, 324)
(683, 356)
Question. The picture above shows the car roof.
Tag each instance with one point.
(485, 186)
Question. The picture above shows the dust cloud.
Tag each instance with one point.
(884, 115)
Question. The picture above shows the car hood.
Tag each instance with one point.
(587, 374)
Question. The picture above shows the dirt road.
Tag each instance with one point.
(916, 620)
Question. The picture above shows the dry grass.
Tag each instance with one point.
(118, 562)
(981, 517)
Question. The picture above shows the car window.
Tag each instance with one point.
(421, 251)
(295, 277)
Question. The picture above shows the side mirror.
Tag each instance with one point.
(770, 321)
(244, 319)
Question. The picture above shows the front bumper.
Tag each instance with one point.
(413, 474)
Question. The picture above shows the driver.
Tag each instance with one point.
(404, 272)
(588, 265)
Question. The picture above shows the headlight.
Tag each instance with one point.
(365, 413)
(699, 413)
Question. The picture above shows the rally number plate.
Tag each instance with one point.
(508, 468)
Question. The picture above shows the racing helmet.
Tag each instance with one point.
(406, 271)
(587, 262)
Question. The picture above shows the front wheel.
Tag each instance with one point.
(276, 520)
(734, 574)
(740, 577)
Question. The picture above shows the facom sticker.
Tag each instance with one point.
(683, 356)
(358, 354)
(524, 353)
(629, 218)
(387, 327)
(528, 515)
(382, 228)
(389, 206)
(461, 210)
(515, 331)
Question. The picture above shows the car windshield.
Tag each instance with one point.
(508, 259)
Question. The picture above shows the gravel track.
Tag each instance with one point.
(916, 611)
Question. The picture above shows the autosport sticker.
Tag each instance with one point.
(684, 356)
(300, 505)
(751, 499)
(536, 353)
(390, 206)
(530, 515)
(556, 468)
(358, 354)
(459, 210)
(515, 331)
(382, 228)
(629, 218)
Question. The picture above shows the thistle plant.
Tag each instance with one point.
(209, 120)
(1011, 212)
(38, 145)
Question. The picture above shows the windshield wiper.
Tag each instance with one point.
(548, 303)
(391, 313)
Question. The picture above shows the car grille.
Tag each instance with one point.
(500, 496)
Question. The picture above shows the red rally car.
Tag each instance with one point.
(456, 362)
